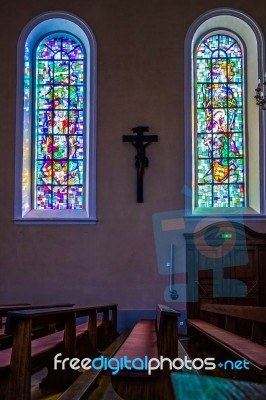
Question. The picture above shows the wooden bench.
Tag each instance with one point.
(106, 323)
(4, 308)
(152, 339)
(220, 323)
(7, 339)
(16, 363)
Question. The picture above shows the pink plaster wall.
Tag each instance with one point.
(140, 46)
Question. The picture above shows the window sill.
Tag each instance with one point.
(56, 217)
(246, 213)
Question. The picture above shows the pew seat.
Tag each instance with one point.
(39, 347)
(43, 345)
(82, 328)
(224, 325)
(148, 339)
(252, 352)
(141, 343)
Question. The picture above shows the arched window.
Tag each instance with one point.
(56, 130)
(59, 131)
(220, 160)
(224, 129)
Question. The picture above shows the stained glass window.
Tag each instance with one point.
(59, 124)
(220, 162)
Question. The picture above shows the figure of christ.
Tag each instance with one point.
(140, 142)
(142, 161)
(60, 122)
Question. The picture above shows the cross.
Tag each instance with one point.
(140, 142)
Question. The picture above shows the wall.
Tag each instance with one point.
(140, 82)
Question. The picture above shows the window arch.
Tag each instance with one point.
(223, 126)
(56, 121)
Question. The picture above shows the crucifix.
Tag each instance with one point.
(140, 142)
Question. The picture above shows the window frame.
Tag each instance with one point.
(211, 22)
(45, 25)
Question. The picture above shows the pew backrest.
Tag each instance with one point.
(4, 309)
(255, 316)
(167, 331)
(251, 313)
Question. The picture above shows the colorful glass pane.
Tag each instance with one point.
(220, 164)
(59, 125)
(75, 197)
(26, 174)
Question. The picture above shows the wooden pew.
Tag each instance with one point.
(233, 313)
(220, 324)
(106, 331)
(6, 339)
(15, 363)
(4, 308)
(152, 338)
